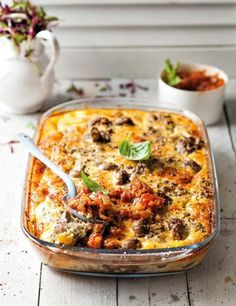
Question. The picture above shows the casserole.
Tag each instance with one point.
(205, 104)
(172, 256)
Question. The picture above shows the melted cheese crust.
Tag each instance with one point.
(177, 173)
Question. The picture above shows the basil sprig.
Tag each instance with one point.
(91, 185)
(172, 77)
(135, 151)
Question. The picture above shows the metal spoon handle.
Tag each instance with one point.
(31, 147)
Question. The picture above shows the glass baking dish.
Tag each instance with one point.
(120, 262)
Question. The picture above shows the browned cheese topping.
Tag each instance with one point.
(164, 201)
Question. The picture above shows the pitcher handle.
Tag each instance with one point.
(54, 45)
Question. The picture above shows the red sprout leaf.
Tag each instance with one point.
(22, 20)
(132, 87)
(10, 143)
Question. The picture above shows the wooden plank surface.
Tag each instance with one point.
(21, 278)
(62, 289)
(226, 167)
(19, 268)
(149, 291)
(74, 289)
(213, 283)
(231, 112)
(215, 280)
(153, 291)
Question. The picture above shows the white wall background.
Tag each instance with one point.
(131, 38)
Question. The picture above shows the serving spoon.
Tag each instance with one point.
(72, 192)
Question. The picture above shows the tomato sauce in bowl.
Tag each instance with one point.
(199, 80)
(199, 88)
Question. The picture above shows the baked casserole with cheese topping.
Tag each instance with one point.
(161, 200)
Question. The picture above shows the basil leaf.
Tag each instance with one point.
(20, 5)
(135, 151)
(41, 12)
(51, 18)
(171, 71)
(91, 185)
(175, 81)
(18, 38)
(3, 25)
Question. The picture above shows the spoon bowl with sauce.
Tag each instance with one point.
(72, 191)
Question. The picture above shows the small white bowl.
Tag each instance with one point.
(206, 104)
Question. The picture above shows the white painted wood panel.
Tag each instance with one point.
(143, 37)
(137, 63)
(127, 2)
(143, 15)
(138, 34)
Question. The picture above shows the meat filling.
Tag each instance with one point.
(100, 136)
(124, 121)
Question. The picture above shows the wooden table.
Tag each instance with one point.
(24, 281)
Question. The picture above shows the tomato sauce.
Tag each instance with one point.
(198, 80)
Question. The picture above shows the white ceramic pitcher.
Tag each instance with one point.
(25, 82)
